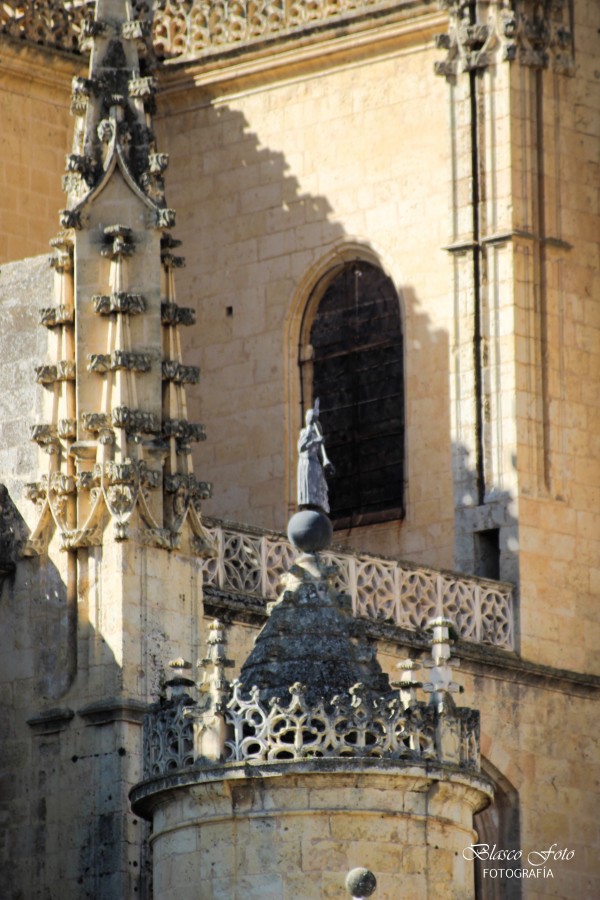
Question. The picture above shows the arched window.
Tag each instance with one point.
(354, 365)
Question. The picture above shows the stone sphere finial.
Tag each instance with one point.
(361, 883)
(310, 530)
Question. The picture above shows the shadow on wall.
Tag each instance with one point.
(498, 826)
(257, 247)
(62, 770)
(50, 632)
(486, 535)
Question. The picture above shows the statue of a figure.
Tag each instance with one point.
(313, 463)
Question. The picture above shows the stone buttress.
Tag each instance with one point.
(119, 504)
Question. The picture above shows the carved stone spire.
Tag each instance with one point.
(113, 109)
(116, 428)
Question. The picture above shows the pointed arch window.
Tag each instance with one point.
(352, 360)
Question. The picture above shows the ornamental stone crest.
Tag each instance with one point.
(535, 33)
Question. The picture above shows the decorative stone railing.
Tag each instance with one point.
(353, 726)
(186, 29)
(241, 722)
(196, 29)
(49, 22)
(251, 562)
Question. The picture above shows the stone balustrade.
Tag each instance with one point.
(187, 29)
(250, 561)
(236, 723)
(293, 730)
(195, 29)
(49, 22)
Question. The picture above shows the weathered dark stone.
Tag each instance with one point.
(360, 883)
(307, 639)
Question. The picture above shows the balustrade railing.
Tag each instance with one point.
(47, 22)
(251, 562)
(191, 29)
(352, 727)
(186, 29)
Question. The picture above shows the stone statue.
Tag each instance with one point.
(313, 463)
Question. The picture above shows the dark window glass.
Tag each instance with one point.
(357, 374)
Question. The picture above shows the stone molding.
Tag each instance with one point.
(53, 316)
(172, 314)
(114, 709)
(178, 373)
(51, 721)
(118, 302)
(119, 359)
(64, 370)
(183, 430)
(134, 421)
(144, 794)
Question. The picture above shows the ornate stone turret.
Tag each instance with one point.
(310, 749)
(116, 430)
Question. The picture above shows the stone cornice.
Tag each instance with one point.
(50, 721)
(145, 795)
(114, 709)
(38, 67)
(493, 662)
(289, 50)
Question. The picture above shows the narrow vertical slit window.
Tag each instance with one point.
(487, 553)
(354, 365)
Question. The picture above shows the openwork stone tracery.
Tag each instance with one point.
(185, 28)
(233, 724)
(251, 562)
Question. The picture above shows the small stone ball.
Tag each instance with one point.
(310, 530)
(360, 883)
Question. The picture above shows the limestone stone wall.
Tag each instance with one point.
(538, 746)
(558, 348)
(24, 288)
(36, 135)
(277, 178)
(276, 184)
(297, 833)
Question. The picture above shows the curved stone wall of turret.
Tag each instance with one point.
(280, 830)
